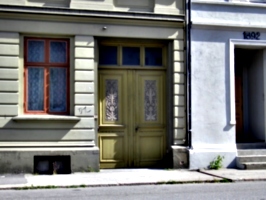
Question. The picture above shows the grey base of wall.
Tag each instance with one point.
(201, 158)
(21, 160)
(180, 157)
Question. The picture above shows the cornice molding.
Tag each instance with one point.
(203, 25)
(91, 13)
(230, 3)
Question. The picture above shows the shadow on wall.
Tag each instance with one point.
(136, 5)
(48, 3)
(148, 5)
(25, 145)
(210, 48)
(203, 159)
(167, 2)
(228, 126)
(37, 131)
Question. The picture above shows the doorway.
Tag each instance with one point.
(131, 84)
(249, 95)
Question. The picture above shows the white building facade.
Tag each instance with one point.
(228, 60)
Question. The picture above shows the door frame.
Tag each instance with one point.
(241, 43)
(138, 43)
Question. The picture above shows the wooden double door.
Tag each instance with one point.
(131, 117)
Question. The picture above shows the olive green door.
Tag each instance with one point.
(131, 117)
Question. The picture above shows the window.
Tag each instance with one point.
(153, 56)
(132, 54)
(46, 68)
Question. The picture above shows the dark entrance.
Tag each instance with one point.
(249, 95)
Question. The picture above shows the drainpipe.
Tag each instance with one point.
(188, 68)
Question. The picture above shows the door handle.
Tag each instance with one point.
(137, 129)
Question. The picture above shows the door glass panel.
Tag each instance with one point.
(131, 56)
(111, 100)
(35, 51)
(108, 55)
(58, 52)
(58, 89)
(35, 88)
(153, 56)
(150, 100)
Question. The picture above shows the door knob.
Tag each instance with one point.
(136, 129)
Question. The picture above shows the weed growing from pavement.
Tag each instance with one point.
(217, 163)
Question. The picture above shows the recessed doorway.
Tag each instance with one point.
(132, 102)
(249, 95)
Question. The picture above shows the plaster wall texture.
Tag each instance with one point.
(175, 7)
(16, 136)
(210, 87)
(179, 95)
(214, 24)
(229, 14)
(211, 132)
(68, 28)
(17, 132)
(13, 160)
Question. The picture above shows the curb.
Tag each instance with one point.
(231, 179)
(222, 177)
(32, 187)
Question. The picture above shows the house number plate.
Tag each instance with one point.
(251, 35)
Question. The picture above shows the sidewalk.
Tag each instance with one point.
(117, 177)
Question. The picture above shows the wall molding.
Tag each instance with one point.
(233, 43)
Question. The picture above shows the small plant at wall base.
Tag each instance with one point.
(217, 163)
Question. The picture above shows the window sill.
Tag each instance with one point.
(62, 118)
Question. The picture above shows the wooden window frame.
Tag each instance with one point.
(142, 44)
(46, 65)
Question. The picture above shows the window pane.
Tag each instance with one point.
(58, 52)
(35, 51)
(131, 56)
(58, 89)
(36, 88)
(108, 55)
(150, 100)
(111, 98)
(153, 56)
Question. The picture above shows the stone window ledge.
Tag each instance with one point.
(62, 118)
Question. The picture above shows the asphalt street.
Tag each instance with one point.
(203, 191)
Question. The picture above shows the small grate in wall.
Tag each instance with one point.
(52, 165)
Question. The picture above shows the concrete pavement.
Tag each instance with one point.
(116, 177)
(236, 175)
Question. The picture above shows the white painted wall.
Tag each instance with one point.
(212, 133)
(231, 14)
(214, 24)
